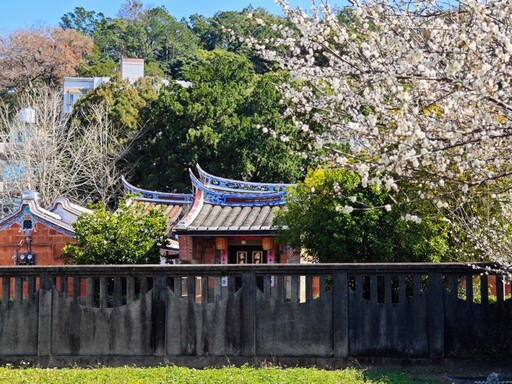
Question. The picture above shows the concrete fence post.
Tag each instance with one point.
(435, 315)
(249, 314)
(44, 324)
(340, 314)
(158, 315)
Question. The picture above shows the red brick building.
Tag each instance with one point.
(34, 235)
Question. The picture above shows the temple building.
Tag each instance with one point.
(223, 221)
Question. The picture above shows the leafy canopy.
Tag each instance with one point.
(334, 219)
(229, 120)
(130, 235)
(124, 101)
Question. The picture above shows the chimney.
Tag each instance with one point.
(131, 69)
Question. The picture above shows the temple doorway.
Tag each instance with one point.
(247, 254)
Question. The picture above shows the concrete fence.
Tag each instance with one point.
(206, 314)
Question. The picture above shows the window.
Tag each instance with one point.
(27, 224)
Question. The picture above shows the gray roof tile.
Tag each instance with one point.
(232, 218)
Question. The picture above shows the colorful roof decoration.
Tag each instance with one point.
(29, 213)
(241, 197)
(229, 206)
(158, 197)
(223, 184)
(220, 205)
(175, 205)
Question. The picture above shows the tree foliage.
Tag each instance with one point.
(143, 32)
(124, 102)
(130, 235)
(97, 65)
(42, 55)
(83, 21)
(333, 218)
(228, 29)
(220, 120)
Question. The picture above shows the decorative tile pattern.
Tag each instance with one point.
(238, 199)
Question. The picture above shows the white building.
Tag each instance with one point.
(76, 87)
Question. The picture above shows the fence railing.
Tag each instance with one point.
(301, 310)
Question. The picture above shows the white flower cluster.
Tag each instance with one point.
(434, 84)
(412, 218)
(347, 209)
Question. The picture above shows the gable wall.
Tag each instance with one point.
(47, 244)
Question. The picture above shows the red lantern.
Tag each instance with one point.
(267, 243)
(221, 243)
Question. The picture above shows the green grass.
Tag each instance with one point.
(400, 377)
(179, 375)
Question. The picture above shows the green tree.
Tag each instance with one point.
(167, 41)
(152, 34)
(108, 37)
(97, 65)
(334, 219)
(125, 103)
(229, 121)
(83, 21)
(130, 235)
(218, 31)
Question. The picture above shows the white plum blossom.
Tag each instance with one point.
(420, 92)
(412, 218)
(436, 91)
(347, 209)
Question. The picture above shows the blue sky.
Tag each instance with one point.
(15, 14)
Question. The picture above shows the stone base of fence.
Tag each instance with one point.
(201, 362)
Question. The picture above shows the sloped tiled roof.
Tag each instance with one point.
(229, 206)
(218, 205)
(232, 218)
(173, 212)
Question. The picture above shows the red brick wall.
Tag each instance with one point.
(186, 248)
(209, 251)
(201, 249)
(47, 244)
